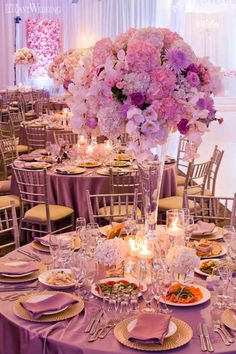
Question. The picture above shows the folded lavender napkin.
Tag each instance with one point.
(203, 228)
(150, 328)
(43, 240)
(52, 303)
(18, 269)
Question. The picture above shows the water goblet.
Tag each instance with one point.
(225, 275)
(146, 286)
(188, 228)
(77, 269)
(130, 226)
(90, 272)
(54, 246)
(228, 235)
(93, 233)
(80, 227)
(65, 250)
(165, 281)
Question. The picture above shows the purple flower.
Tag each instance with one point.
(183, 126)
(201, 103)
(138, 99)
(91, 122)
(193, 68)
(177, 60)
(193, 79)
(124, 109)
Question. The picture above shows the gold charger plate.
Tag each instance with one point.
(69, 312)
(90, 164)
(182, 336)
(123, 157)
(229, 319)
(30, 277)
(75, 171)
(119, 164)
(39, 247)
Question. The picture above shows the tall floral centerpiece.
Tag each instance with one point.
(24, 57)
(63, 67)
(147, 83)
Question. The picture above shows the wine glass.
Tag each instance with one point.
(165, 281)
(146, 287)
(228, 235)
(90, 272)
(188, 228)
(93, 233)
(225, 275)
(77, 269)
(65, 250)
(80, 227)
(54, 247)
(216, 285)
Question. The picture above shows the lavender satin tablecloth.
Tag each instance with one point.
(70, 191)
(67, 337)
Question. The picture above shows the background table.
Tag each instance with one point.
(23, 337)
(70, 190)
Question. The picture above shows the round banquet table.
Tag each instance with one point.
(19, 336)
(70, 191)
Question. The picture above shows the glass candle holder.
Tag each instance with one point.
(175, 226)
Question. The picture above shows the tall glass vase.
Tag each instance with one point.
(151, 171)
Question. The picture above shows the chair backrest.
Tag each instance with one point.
(27, 100)
(6, 130)
(124, 181)
(181, 163)
(15, 120)
(8, 154)
(196, 177)
(220, 210)
(8, 223)
(214, 169)
(115, 206)
(36, 136)
(71, 138)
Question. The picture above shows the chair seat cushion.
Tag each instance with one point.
(30, 113)
(21, 149)
(175, 202)
(5, 186)
(5, 201)
(38, 213)
(118, 210)
(192, 190)
(180, 180)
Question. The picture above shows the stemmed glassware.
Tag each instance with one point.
(66, 250)
(188, 225)
(225, 275)
(90, 272)
(80, 228)
(146, 286)
(77, 268)
(228, 235)
(130, 226)
(54, 247)
(93, 233)
(165, 281)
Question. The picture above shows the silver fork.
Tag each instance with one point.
(218, 330)
(222, 329)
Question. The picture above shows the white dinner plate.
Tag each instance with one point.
(43, 279)
(42, 297)
(206, 296)
(216, 234)
(198, 271)
(16, 264)
(222, 253)
(171, 329)
(96, 293)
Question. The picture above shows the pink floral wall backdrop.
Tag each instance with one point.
(44, 38)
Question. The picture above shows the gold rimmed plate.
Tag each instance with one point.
(42, 247)
(119, 163)
(228, 317)
(24, 278)
(66, 313)
(73, 171)
(181, 337)
(89, 164)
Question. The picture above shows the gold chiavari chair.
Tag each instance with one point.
(220, 210)
(213, 171)
(8, 154)
(71, 138)
(181, 163)
(113, 207)
(8, 224)
(37, 215)
(7, 131)
(36, 136)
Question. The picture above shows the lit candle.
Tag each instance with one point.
(145, 252)
(133, 247)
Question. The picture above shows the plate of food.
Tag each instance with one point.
(123, 157)
(89, 164)
(208, 249)
(57, 278)
(45, 158)
(171, 329)
(105, 171)
(115, 285)
(186, 295)
(119, 163)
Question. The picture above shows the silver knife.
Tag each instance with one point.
(91, 322)
(96, 322)
(207, 337)
(201, 337)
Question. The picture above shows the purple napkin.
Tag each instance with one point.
(20, 269)
(203, 228)
(53, 303)
(150, 328)
(43, 240)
